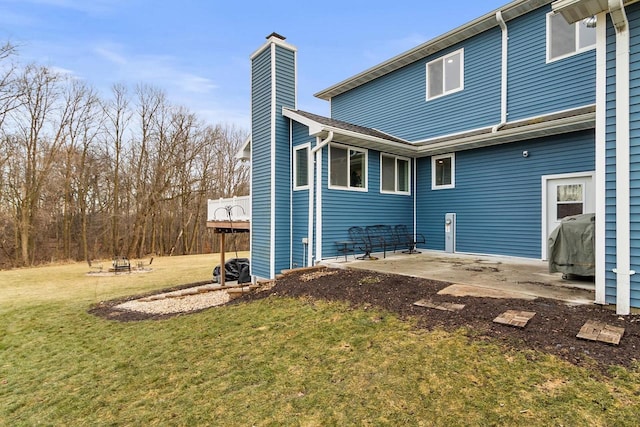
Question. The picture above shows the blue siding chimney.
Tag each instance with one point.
(273, 86)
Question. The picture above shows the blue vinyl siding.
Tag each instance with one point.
(498, 194)
(261, 164)
(342, 209)
(633, 14)
(300, 211)
(536, 87)
(285, 96)
(396, 103)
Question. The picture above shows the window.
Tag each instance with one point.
(443, 171)
(301, 168)
(445, 75)
(570, 199)
(394, 174)
(565, 39)
(347, 168)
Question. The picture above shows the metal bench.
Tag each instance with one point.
(121, 263)
(407, 239)
(373, 237)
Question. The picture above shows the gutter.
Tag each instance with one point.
(503, 83)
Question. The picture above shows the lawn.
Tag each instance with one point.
(276, 361)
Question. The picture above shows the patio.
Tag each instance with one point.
(480, 275)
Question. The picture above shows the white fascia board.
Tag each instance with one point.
(483, 23)
(321, 130)
(568, 124)
(315, 128)
(575, 10)
(245, 150)
(269, 42)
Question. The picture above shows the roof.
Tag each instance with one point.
(349, 133)
(574, 120)
(339, 124)
(510, 11)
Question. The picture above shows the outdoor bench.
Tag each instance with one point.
(381, 237)
(121, 263)
(408, 240)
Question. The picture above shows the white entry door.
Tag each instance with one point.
(565, 195)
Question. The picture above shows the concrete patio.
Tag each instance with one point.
(479, 275)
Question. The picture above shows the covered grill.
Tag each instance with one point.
(572, 246)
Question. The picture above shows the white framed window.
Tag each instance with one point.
(564, 40)
(301, 167)
(443, 171)
(445, 75)
(347, 168)
(394, 174)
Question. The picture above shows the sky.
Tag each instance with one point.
(198, 51)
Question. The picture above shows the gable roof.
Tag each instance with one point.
(510, 11)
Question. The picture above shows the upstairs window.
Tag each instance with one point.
(301, 168)
(445, 75)
(394, 174)
(347, 168)
(565, 39)
(443, 171)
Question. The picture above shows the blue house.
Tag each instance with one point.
(504, 126)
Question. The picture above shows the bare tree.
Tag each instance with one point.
(118, 116)
(40, 121)
(82, 129)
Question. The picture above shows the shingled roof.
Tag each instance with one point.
(339, 124)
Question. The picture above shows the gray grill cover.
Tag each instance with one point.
(571, 246)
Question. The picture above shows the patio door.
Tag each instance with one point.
(565, 195)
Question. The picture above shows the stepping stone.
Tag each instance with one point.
(600, 331)
(516, 318)
(444, 306)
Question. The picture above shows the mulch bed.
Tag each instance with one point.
(552, 330)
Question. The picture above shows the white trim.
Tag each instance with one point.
(577, 48)
(537, 118)
(415, 196)
(291, 166)
(395, 173)
(444, 75)
(318, 254)
(543, 216)
(270, 42)
(311, 213)
(623, 213)
(479, 25)
(306, 146)
(453, 171)
(272, 234)
(504, 77)
(601, 158)
(365, 177)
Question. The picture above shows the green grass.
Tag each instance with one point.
(272, 362)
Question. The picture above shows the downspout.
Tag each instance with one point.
(623, 215)
(601, 158)
(317, 150)
(503, 82)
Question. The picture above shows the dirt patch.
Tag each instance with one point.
(552, 330)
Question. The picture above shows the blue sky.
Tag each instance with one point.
(198, 51)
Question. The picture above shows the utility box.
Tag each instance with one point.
(450, 232)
